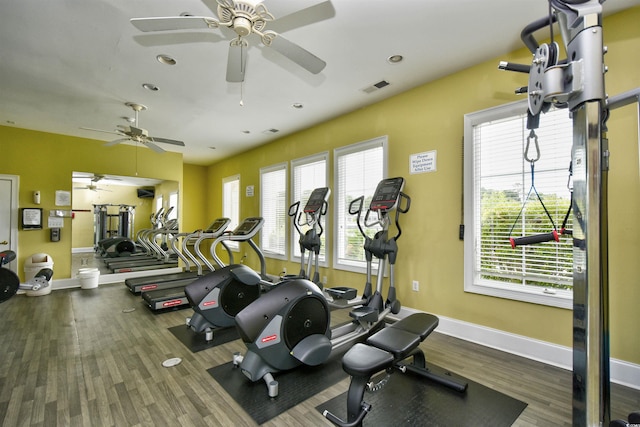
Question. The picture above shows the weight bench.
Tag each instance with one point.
(386, 350)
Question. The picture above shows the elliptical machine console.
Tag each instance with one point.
(290, 326)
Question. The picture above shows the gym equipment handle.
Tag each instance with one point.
(536, 238)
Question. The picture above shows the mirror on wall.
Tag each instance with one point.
(110, 206)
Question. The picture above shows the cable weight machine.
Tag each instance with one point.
(577, 83)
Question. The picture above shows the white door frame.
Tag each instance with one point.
(14, 215)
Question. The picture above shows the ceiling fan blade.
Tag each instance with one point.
(166, 141)
(116, 141)
(101, 130)
(153, 146)
(170, 23)
(297, 54)
(237, 61)
(282, 8)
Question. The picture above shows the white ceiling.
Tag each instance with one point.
(68, 64)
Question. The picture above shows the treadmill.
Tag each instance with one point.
(163, 260)
(142, 240)
(175, 297)
(149, 283)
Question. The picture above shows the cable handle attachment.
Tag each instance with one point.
(534, 137)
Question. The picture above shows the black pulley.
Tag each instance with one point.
(9, 284)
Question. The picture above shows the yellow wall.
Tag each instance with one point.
(196, 198)
(46, 161)
(430, 117)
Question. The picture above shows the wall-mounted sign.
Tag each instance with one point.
(423, 162)
(32, 218)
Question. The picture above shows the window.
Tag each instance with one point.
(358, 169)
(173, 203)
(308, 174)
(497, 182)
(273, 208)
(159, 205)
(231, 204)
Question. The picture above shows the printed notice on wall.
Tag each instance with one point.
(423, 162)
(63, 198)
(248, 191)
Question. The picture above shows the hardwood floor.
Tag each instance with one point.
(79, 358)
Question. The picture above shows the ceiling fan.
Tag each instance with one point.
(244, 18)
(136, 134)
(92, 185)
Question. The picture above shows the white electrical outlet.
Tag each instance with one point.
(284, 270)
(416, 285)
(324, 280)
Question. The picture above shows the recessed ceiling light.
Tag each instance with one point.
(212, 148)
(394, 59)
(166, 59)
(11, 122)
(246, 131)
(150, 86)
(298, 105)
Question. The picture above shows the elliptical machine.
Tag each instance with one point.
(290, 326)
(314, 210)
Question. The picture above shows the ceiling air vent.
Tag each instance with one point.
(374, 87)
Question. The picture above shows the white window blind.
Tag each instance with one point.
(358, 169)
(231, 204)
(308, 174)
(173, 202)
(273, 208)
(503, 203)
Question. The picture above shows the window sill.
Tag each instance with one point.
(560, 299)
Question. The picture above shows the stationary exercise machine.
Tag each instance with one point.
(174, 297)
(290, 325)
(310, 240)
(217, 297)
(10, 282)
(577, 83)
(164, 258)
(150, 283)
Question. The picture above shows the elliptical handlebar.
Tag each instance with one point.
(357, 211)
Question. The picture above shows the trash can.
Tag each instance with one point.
(32, 266)
(89, 278)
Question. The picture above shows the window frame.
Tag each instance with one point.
(472, 283)
(264, 190)
(295, 197)
(378, 142)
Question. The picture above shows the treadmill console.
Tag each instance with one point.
(387, 193)
(217, 225)
(249, 227)
(317, 199)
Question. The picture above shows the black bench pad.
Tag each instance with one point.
(362, 360)
(421, 324)
(394, 340)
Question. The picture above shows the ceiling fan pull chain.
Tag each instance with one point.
(242, 93)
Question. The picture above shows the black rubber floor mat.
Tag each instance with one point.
(295, 386)
(196, 342)
(409, 400)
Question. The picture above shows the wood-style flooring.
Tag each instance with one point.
(81, 358)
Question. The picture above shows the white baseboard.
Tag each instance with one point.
(112, 278)
(621, 372)
(82, 250)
